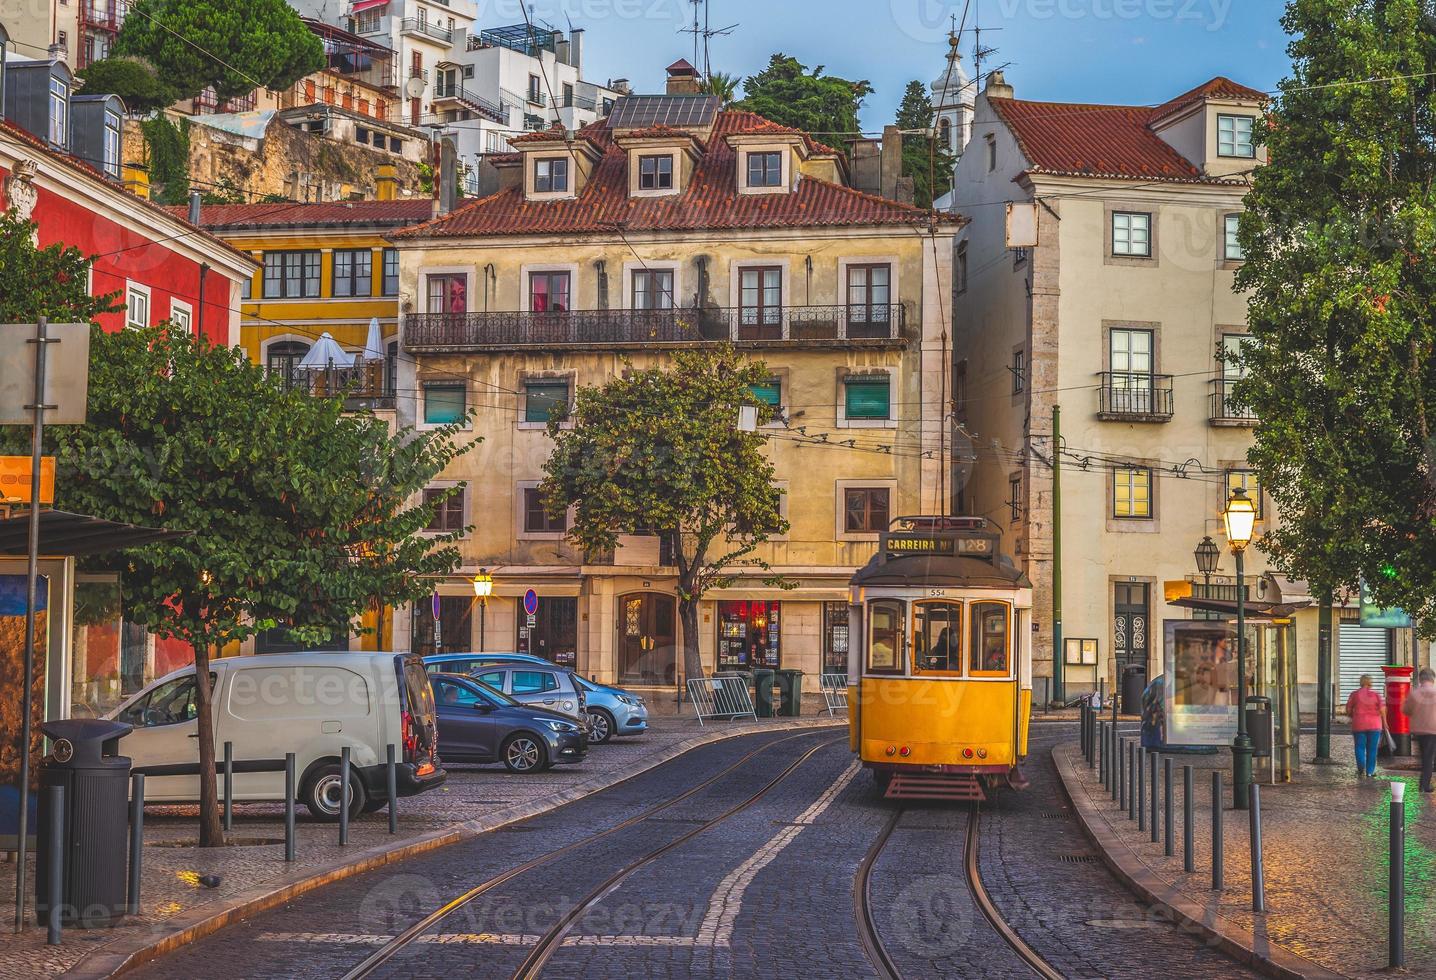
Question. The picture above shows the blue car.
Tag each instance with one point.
(479, 724)
(611, 710)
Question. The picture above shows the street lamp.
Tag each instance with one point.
(1239, 518)
(483, 588)
(1208, 555)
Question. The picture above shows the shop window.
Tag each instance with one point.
(937, 637)
(545, 400)
(748, 635)
(867, 398)
(835, 637)
(990, 653)
(444, 404)
(442, 624)
(886, 637)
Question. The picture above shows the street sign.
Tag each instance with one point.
(532, 621)
(67, 372)
(531, 602)
(15, 473)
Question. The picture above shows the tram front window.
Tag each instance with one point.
(885, 646)
(937, 637)
(990, 649)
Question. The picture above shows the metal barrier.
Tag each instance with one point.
(721, 696)
(835, 692)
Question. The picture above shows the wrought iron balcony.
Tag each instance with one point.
(812, 326)
(366, 386)
(413, 25)
(1130, 396)
(1225, 410)
(449, 87)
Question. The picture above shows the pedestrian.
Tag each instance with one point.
(1420, 707)
(1363, 707)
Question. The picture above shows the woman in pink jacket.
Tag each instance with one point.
(1364, 709)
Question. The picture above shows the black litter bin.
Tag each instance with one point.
(83, 759)
(1259, 725)
(790, 688)
(1134, 682)
(763, 679)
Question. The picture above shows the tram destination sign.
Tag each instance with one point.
(942, 545)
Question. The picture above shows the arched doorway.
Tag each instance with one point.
(647, 653)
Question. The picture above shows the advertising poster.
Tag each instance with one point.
(12, 661)
(1200, 682)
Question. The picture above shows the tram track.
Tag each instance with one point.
(554, 937)
(868, 933)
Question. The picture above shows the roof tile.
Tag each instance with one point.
(286, 214)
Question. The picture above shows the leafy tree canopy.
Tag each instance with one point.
(723, 85)
(1340, 239)
(233, 48)
(787, 93)
(52, 281)
(660, 449)
(924, 159)
(132, 79)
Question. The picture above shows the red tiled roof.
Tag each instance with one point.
(396, 213)
(711, 200)
(1118, 141)
(539, 135)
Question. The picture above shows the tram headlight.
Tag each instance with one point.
(904, 751)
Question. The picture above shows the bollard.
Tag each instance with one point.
(1258, 874)
(1142, 788)
(137, 841)
(1156, 802)
(1114, 768)
(1121, 793)
(228, 786)
(289, 806)
(391, 783)
(1218, 855)
(1170, 844)
(344, 796)
(1189, 823)
(1396, 892)
(1103, 753)
(1082, 729)
(1132, 770)
(55, 866)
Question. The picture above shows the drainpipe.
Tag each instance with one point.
(199, 313)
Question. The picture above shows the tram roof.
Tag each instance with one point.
(921, 571)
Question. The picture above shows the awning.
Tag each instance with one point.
(1228, 607)
(361, 5)
(63, 534)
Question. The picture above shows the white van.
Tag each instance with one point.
(311, 704)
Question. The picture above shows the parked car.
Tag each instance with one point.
(540, 685)
(480, 724)
(311, 704)
(467, 663)
(612, 711)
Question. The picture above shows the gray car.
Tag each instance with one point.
(554, 688)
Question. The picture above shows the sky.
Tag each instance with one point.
(1138, 52)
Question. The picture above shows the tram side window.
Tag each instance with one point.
(937, 637)
(885, 648)
(990, 649)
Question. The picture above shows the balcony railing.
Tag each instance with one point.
(363, 387)
(790, 325)
(413, 25)
(107, 16)
(448, 87)
(207, 102)
(1134, 396)
(1225, 410)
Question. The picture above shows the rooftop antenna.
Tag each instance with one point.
(706, 33)
(978, 51)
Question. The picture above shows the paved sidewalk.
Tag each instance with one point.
(1325, 839)
(253, 872)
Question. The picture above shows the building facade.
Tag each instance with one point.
(611, 247)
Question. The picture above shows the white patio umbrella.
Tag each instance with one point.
(326, 353)
(374, 343)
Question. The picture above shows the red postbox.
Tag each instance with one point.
(1398, 686)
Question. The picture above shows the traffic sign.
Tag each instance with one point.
(531, 602)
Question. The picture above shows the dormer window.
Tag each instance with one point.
(551, 175)
(655, 173)
(59, 111)
(112, 145)
(765, 169)
(1234, 137)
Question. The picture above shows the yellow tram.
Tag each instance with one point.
(940, 661)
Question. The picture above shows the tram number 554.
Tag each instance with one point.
(936, 593)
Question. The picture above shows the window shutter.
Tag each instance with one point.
(868, 398)
(443, 404)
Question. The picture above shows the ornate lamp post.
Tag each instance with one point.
(483, 588)
(1240, 518)
(1208, 555)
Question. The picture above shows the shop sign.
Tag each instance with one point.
(15, 473)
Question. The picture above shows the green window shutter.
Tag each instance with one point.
(868, 398)
(770, 393)
(545, 400)
(443, 404)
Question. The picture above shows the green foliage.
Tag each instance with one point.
(1340, 239)
(923, 159)
(51, 281)
(233, 48)
(723, 85)
(132, 79)
(660, 449)
(787, 93)
(225, 191)
(168, 147)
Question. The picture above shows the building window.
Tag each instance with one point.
(1248, 481)
(112, 145)
(961, 276)
(536, 517)
(281, 361)
(835, 637)
(535, 93)
(869, 294)
(551, 175)
(448, 505)
(867, 397)
(448, 292)
(1132, 234)
(653, 289)
(944, 133)
(181, 315)
(544, 400)
(289, 275)
(391, 272)
(865, 510)
(765, 169)
(760, 295)
(770, 393)
(1232, 246)
(991, 152)
(1014, 497)
(655, 173)
(353, 272)
(59, 112)
(1234, 137)
(1132, 493)
(1019, 371)
(444, 404)
(749, 634)
(137, 307)
(549, 292)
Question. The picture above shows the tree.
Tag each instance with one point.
(167, 154)
(132, 79)
(787, 93)
(233, 48)
(50, 282)
(660, 449)
(1339, 236)
(926, 161)
(723, 85)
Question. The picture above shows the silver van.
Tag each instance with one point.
(554, 688)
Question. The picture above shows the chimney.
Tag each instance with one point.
(865, 165)
(58, 52)
(137, 180)
(448, 183)
(683, 79)
(997, 87)
(561, 51)
(194, 203)
(575, 50)
(891, 166)
(386, 182)
(620, 85)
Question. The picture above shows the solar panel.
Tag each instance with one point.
(677, 111)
